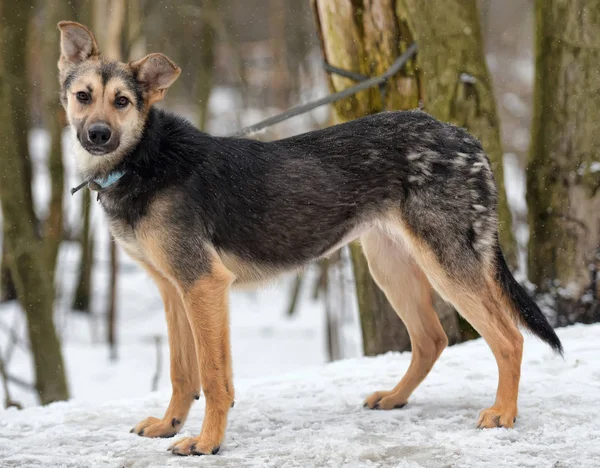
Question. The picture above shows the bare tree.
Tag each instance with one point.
(563, 176)
(27, 254)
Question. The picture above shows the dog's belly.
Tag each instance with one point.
(249, 273)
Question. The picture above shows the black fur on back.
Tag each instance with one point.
(530, 314)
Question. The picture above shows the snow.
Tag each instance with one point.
(314, 417)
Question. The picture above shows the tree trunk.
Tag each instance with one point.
(111, 47)
(206, 63)
(279, 83)
(26, 252)
(563, 176)
(8, 292)
(83, 291)
(455, 82)
(366, 38)
(112, 302)
(16, 20)
(54, 120)
(15, 23)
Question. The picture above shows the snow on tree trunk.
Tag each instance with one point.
(563, 172)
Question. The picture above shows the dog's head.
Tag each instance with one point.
(107, 101)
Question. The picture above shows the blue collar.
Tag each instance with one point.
(110, 179)
(100, 183)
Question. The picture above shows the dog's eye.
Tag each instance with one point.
(83, 97)
(122, 101)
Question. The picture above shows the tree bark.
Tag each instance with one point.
(26, 251)
(563, 172)
(456, 84)
(366, 37)
(16, 20)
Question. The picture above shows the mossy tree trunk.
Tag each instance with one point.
(455, 82)
(563, 172)
(26, 251)
(366, 37)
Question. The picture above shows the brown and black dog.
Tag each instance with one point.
(201, 213)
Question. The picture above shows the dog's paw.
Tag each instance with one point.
(193, 446)
(385, 401)
(496, 417)
(154, 427)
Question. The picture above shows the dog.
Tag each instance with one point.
(203, 213)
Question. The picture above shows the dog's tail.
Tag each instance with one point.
(525, 309)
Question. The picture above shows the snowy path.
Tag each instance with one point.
(314, 418)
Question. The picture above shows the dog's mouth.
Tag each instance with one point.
(102, 149)
(98, 151)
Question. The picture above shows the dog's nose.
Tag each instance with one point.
(99, 134)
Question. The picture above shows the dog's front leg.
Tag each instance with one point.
(206, 307)
(185, 379)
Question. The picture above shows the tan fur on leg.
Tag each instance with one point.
(185, 377)
(206, 307)
(409, 292)
(480, 301)
(495, 325)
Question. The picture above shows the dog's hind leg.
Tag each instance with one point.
(409, 292)
(481, 305)
(470, 285)
(185, 378)
(206, 307)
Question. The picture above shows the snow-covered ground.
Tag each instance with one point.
(314, 417)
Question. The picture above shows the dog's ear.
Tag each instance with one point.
(77, 44)
(155, 72)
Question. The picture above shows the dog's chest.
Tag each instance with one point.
(142, 230)
(125, 236)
